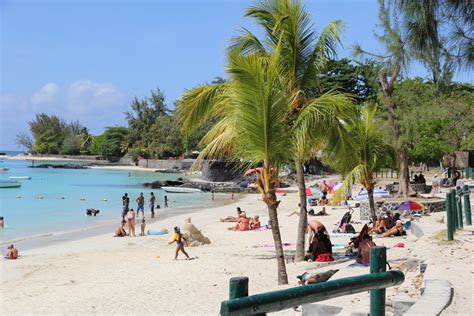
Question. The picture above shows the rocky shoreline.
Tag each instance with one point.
(217, 187)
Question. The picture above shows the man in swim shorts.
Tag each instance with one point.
(12, 253)
(125, 204)
(152, 204)
(141, 205)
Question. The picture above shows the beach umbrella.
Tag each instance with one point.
(378, 194)
(410, 206)
(336, 187)
(252, 171)
(309, 192)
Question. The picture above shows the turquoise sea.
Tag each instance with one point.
(66, 194)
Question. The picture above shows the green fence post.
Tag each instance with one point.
(449, 217)
(378, 262)
(467, 204)
(238, 287)
(453, 208)
(459, 207)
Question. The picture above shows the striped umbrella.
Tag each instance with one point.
(410, 206)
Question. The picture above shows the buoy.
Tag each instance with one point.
(83, 199)
(105, 200)
(62, 197)
(40, 197)
(18, 197)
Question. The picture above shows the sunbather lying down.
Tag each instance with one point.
(232, 218)
(309, 278)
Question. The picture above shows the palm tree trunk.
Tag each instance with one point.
(370, 193)
(303, 212)
(272, 204)
(404, 180)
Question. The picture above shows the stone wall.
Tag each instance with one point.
(435, 205)
(184, 164)
(220, 171)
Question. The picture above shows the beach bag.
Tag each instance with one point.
(363, 256)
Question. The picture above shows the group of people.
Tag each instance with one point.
(387, 225)
(243, 222)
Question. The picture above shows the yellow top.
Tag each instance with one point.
(176, 237)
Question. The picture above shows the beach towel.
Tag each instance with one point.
(285, 245)
(338, 246)
(254, 230)
(156, 232)
(341, 235)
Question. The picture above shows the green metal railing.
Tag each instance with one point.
(454, 210)
(240, 303)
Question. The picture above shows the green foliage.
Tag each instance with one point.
(52, 135)
(358, 79)
(434, 124)
(109, 144)
(71, 145)
(167, 140)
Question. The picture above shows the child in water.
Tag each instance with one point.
(179, 238)
(142, 226)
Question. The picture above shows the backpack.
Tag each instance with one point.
(363, 255)
(349, 229)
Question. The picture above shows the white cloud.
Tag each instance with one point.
(85, 96)
(46, 96)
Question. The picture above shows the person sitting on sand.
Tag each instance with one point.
(323, 200)
(255, 223)
(120, 231)
(12, 253)
(232, 218)
(92, 212)
(320, 248)
(180, 240)
(396, 230)
(320, 213)
(142, 227)
(313, 227)
(379, 226)
(131, 223)
(243, 223)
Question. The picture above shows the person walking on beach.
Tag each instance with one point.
(152, 204)
(166, 201)
(324, 188)
(141, 205)
(180, 240)
(125, 204)
(131, 223)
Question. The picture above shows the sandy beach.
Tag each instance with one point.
(137, 275)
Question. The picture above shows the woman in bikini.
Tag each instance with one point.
(131, 222)
(179, 239)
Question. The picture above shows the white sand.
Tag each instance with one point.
(106, 275)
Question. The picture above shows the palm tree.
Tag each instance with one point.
(305, 54)
(363, 155)
(252, 128)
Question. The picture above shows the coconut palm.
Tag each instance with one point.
(305, 54)
(364, 153)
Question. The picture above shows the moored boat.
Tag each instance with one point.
(20, 178)
(10, 184)
(180, 190)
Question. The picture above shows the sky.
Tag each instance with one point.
(86, 59)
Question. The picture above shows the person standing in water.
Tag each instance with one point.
(152, 204)
(166, 201)
(125, 204)
(141, 204)
(179, 239)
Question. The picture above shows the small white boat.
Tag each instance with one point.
(180, 190)
(10, 184)
(20, 178)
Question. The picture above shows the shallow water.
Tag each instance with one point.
(51, 200)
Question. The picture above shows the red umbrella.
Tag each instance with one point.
(411, 206)
(252, 171)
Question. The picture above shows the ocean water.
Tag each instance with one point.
(67, 193)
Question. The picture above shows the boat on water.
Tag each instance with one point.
(180, 190)
(10, 184)
(20, 178)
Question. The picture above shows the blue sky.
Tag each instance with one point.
(86, 59)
